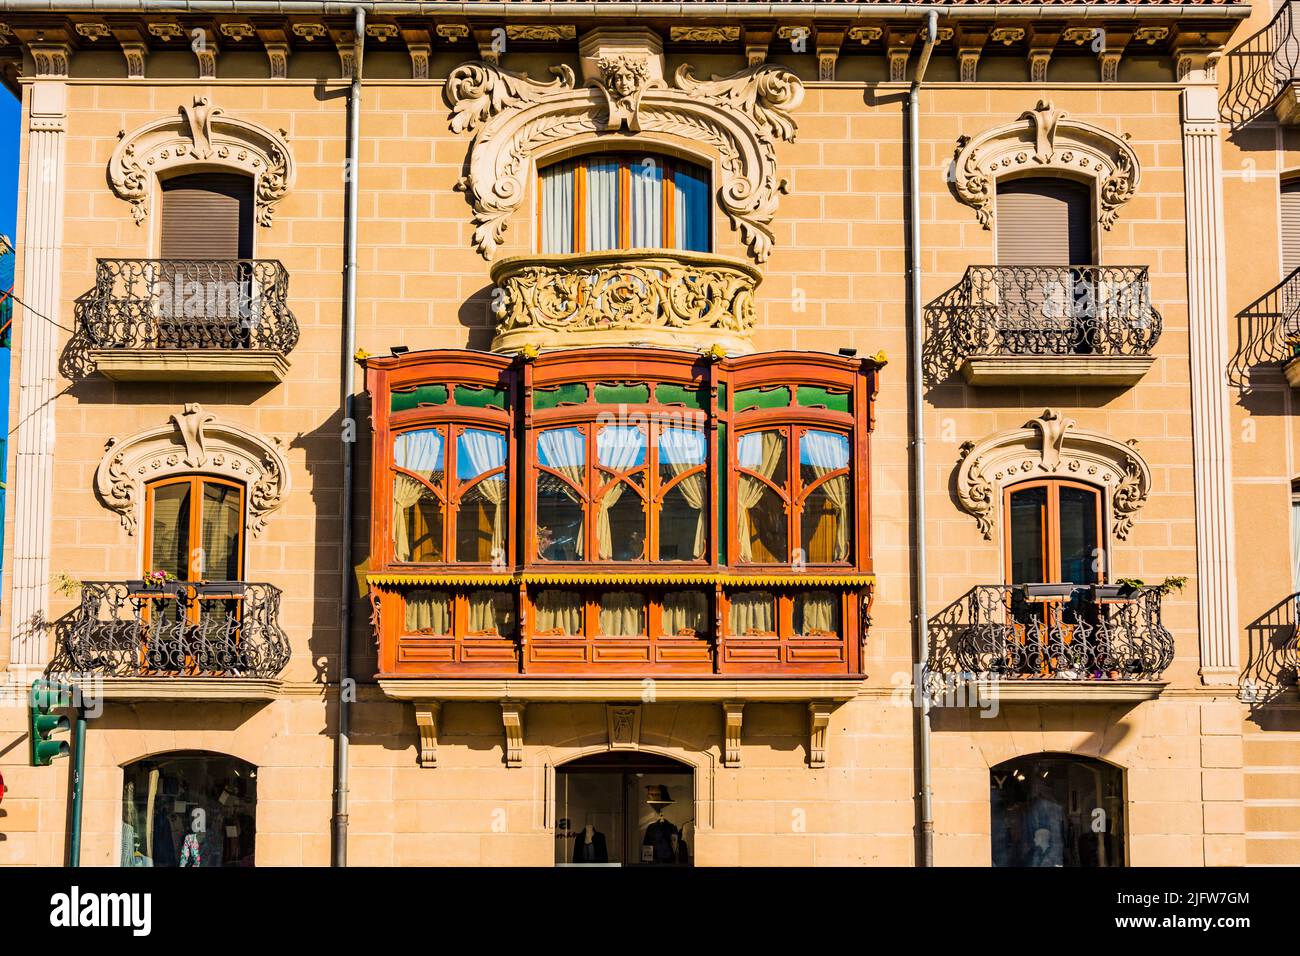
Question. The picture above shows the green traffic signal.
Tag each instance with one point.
(42, 723)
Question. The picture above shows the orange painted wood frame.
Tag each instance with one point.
(194, 532)
(1051, 537)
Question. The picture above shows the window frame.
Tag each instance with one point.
(1051, 537)
(454, 489)
(796, 494)
(196, 481)
(625, 159)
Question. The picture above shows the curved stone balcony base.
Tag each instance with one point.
(636, 297)
(1088, 370)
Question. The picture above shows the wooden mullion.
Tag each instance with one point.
(624, 204)
(580, 206)
(669, 188)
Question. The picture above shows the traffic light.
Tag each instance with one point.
(42, 723)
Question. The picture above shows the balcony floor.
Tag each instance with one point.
(191, 365)
(1093, 370)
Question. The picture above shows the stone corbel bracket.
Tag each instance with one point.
(740, 117)
(202, 135)
(1050, 446)
(1046, 139)
(194, 441)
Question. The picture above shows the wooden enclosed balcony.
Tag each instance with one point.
(1048, 325)
(186, 320)
(638, 297)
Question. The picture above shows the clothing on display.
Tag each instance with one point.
(589, 846)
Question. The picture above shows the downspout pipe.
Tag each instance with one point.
(925, 810)
(348, 435)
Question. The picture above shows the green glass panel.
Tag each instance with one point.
(415, 397)
(814, 396)
(722, 395)
(778, 397)
(666, 394)
(575, 393)
(622, 394)
(476, 396)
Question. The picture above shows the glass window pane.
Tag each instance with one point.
(557, 209)
(683, 507)
(428, 612)
(170, 530)
(647, 202)
(601, 214)
(622, 614)
(1056, 812)
(560, 524)
(481, 513)
(762, 526)
(1028, 521)
(620, 514)
(825, 522)
(222, 516)
(417, 521)
(421, 453)
(1079, 542)
(685, 614)
(817, 614)
(557, 614)
(491, 613)
(691, 208)
(752, 614)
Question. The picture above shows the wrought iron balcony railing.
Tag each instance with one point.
(218, 629)
(637, 296)
(1261, 68)
(1268, 333)
(1064, 632)
(1044, 311)
(231, 304)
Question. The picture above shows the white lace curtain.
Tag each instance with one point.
(618, 448)
(762, 453)
(826, 452)
(564, 450)
(478, 452)
(407, 495)
(681, 450)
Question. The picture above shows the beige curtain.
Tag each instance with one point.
(563, 450)
(558, 612)
(622, 614)
(685, 611)
(485, 451)
(827, 452)
(491, 612)
(407, 493)
(752, 613)
(674, 450)
(428, 612)
(819, 615)
(618, 447)
(750, 489)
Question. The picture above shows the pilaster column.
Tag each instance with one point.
(1207, 319)
(37, 358)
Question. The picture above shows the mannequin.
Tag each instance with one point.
(662, 837)
(589, 846)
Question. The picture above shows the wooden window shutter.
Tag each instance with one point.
(207, 216)
(1290, 227)
(1044, 222)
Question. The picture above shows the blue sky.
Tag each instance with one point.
(9, 113)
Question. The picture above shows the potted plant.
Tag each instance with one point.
(156, 583)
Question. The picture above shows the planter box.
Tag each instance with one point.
(1048, 592)
(138, 588)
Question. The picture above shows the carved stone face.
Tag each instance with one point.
(624, 76)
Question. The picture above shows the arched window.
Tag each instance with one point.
(623, 201)
(793, 490)
(194, 528)
(1057, 810)
(1054, 533)
(189, 808)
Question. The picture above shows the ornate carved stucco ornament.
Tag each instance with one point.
(512, 117)
(1046, 139)
(202, 134)
(195, 441)
(1051, 446)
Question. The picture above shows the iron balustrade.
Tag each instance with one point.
(1047, 310)
(1261, 68)
(1064, 632)
(216, 629)
(188, 304)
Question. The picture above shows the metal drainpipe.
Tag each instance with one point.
(925, 809)
(348, 435)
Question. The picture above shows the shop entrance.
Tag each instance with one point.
(1057, 810)
(624, 809)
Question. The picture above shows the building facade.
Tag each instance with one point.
(550, 472)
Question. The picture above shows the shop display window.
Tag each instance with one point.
(1050, 810)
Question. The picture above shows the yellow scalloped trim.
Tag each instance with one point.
(598, 577)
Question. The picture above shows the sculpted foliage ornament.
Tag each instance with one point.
(194, 441)
(202, 134)
(513, 117)
(1046, 139)
(1050, 446)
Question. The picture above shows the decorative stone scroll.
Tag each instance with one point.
(740, 117)
(202, 134)
(1052, 446)
(1046, 139)
(194, 441)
